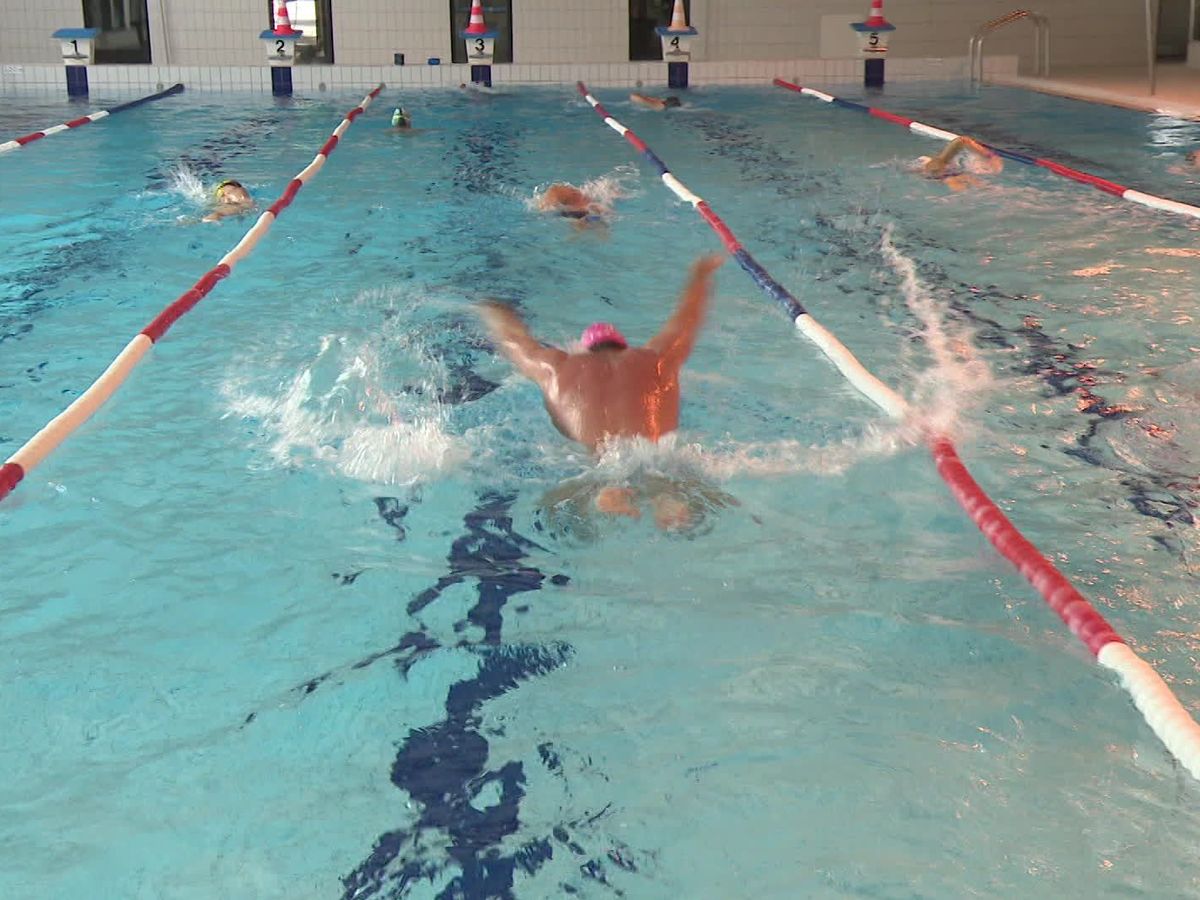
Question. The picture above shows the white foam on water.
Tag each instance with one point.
(187, 184)
(349, 411)
(677, 457)
(955, 377)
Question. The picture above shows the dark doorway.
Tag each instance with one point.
(497, 15)
(315, 19)
(644, 17)
(124, 30)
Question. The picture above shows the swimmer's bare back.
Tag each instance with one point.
(594, 395)
(563, 197)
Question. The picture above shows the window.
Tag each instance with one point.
(497, 14)
(644, 17)
(315, 19)
(124, 30)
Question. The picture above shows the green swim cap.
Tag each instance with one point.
(399, 117)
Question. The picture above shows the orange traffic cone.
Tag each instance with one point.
(876, 19)
(476, 25)
(678, 17)
(283, 24)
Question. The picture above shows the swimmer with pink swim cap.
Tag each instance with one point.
(602, 334)
(608, 389)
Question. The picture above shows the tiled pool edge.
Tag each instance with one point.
(1089, 94)
(49, 79)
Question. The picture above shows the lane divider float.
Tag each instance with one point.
(17, 143)
(61, 426)
(1161, 709)
(1101, 184)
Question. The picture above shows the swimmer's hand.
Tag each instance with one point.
(706, 265)
(502, 321)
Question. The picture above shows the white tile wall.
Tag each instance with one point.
(585, 32)
(582, 31)
(26, 26)
(369, 32)
(133, 81)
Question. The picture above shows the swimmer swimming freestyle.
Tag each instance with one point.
(232, 199)
(942, 167)
(659, 103)
(570, 202)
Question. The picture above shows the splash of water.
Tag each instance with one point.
(337, 411)
(187, 184)
(958, 377)
(674, 457)
(603, 190)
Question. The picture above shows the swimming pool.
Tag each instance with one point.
(285, 620)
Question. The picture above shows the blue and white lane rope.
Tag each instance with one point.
(18, 143)
(854, 371)
(1161, 709)
(1165, 204)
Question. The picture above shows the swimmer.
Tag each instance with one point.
(570, 202)
(232, 200)
(611, 390)
(942, 168)
(655, 102)
(401, 119)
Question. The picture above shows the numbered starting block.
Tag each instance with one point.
(676, 46)
(78, 48)
(281, 48)
(873, 35)
(481, 46)
(280, 43)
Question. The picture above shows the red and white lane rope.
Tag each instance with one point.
(17, 143)
(1100, 184)
(61, 426)
(1162, 710)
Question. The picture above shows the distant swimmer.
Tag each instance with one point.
(232, 199)
(945, 166)
(401, 119)
(570, 202)
(1189, 168)
(610, 390)
(646, 100)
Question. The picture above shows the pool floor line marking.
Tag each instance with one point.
(1164, 204)
(1160, 708)
(22, 141)
(37, 448)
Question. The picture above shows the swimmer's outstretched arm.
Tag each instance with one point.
(535, 361)
(674, 343)
(937, 164)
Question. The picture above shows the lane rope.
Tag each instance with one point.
(18, 143)
(1163, 204)
(1161, 709)
(69, 420)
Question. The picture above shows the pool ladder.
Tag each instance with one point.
(1041, 41)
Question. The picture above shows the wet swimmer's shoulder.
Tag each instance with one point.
(655, 102)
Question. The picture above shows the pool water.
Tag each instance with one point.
(288, 617)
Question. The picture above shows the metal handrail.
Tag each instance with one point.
(1041, 41)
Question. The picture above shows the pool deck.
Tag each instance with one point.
(1177, 90)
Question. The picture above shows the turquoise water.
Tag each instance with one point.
(286, 619)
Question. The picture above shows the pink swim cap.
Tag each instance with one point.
(602, 333)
